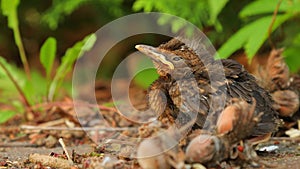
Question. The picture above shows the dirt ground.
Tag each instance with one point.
(20, 153)
(287, 154)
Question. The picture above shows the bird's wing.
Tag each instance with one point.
(240, 84)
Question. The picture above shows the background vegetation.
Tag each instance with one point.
(39, 41)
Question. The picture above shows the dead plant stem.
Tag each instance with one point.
(26, 102)
(272, 24)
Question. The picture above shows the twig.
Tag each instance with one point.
(53, 123)
(27, 127)
(61, 142)
(52, 104)
(272, 23)
(118, 141)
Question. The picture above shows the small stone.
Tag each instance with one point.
(50, 141)
(198, 166)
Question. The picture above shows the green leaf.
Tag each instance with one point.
(266, 7)
(7, 87)
(147, 5)
(235, 42)
(47, 55)
(9, 9)
(259, 37)
(292, 58)
(251, 37)
(295, 7)
(215, 7)
(89, 42)
(292, 54)
(6, 115)
(34, 89)
(145, 78)
(68, 60)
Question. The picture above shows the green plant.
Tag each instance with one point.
(71, 55)
(34, 88)
(202, 13)
(252, 36)
(256, 22)
(9, 9)
(61, 9)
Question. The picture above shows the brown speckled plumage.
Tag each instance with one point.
(284, 87)
(219, 97)
(188, 87)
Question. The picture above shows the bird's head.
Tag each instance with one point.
(174, 58)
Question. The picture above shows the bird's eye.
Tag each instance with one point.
(177, 58)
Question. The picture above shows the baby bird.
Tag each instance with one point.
(193, 86)
(191, 80)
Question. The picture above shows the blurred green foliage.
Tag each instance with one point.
(9, 9)
(60, 9)
(202, 13)
(251, 30)
(34, 88)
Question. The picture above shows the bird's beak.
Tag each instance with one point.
(155, 54)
